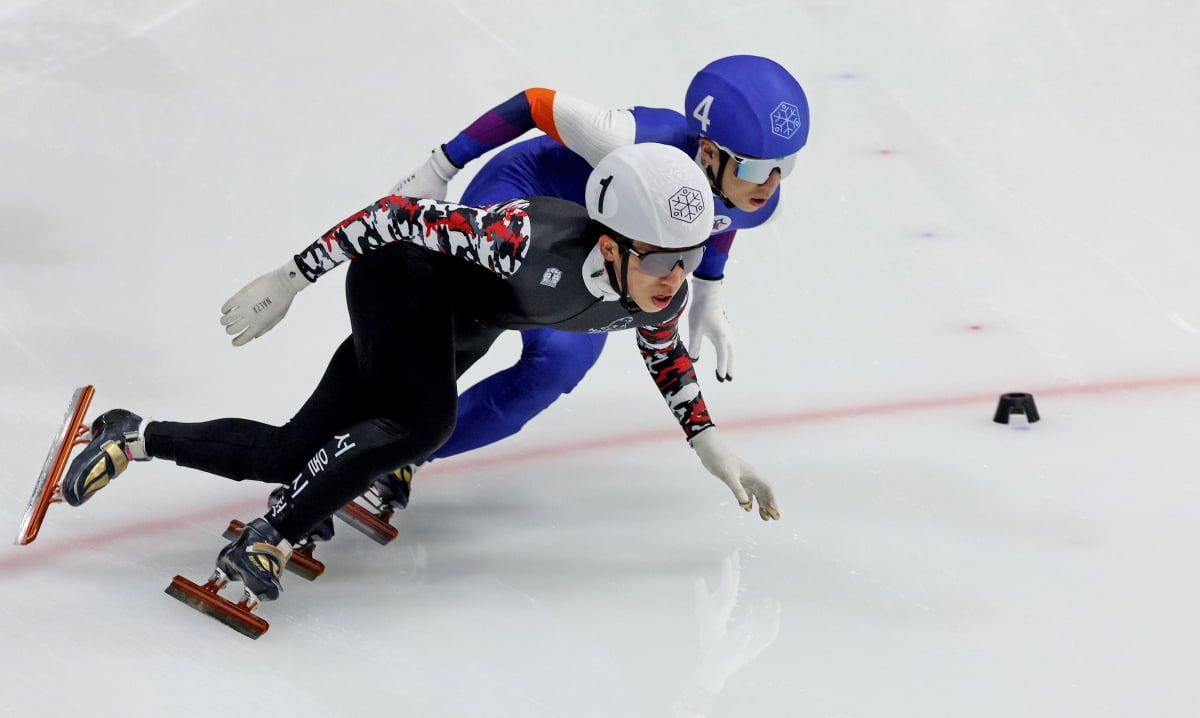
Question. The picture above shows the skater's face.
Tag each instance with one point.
(650, 293)
(746, 195)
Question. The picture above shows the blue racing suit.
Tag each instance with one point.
(557, 164)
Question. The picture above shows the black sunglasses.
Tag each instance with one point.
(661, 262)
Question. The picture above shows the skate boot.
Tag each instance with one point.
(257, 558)
(116, 439)
(302, 563)
(394, 489)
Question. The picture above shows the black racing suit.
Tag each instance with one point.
(431, 287)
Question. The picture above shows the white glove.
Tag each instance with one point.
(740, 477)
(260, 305)
(707, 320)
(430, 180)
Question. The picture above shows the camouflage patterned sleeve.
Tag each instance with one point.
(669, 364)
(495, 237)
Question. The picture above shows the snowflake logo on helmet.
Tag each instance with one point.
(686, 204)
(785, 120)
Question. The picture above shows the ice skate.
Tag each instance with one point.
(208, 600)
(302, 563)
(116, 440)
(256, 559)
(372, 512)
(48, 488)
(394, 489)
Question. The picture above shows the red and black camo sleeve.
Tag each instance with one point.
(494, 237)
(671, 368)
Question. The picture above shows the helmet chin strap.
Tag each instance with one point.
(715, 180)
(622, 286)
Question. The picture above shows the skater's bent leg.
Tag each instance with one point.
(400, 300)
(552, 363)
(331, 477)
(237, 449)
(241, 449)
(401, 313)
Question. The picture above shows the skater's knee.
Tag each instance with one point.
(420, 433)
(377, 445)
(433, 434)
(384, 430)
(370, 436)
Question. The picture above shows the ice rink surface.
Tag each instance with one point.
(996, 196)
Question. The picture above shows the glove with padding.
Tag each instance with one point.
(740, 477)
(707, 320)
(430, 180)
(259, 306)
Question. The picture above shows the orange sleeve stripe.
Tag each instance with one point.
(541, 108)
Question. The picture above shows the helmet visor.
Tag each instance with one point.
(758, 170)
(661, 262)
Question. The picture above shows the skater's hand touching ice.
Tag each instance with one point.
(740, 477)
(259, 305)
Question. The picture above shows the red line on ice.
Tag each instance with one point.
(28, 557)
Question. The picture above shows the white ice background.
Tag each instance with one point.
(996, 196)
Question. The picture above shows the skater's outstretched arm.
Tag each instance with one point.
(490, 237)
(671, 368)
(585, 129)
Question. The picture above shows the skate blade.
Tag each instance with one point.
(206, 600)
(301, 563)
(46, 491)
(365, 521)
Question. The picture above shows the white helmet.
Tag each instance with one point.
(652, 193)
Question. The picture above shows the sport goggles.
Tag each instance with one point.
(661, 262)
(758, 170)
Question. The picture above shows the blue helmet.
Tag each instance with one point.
(750, 105)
